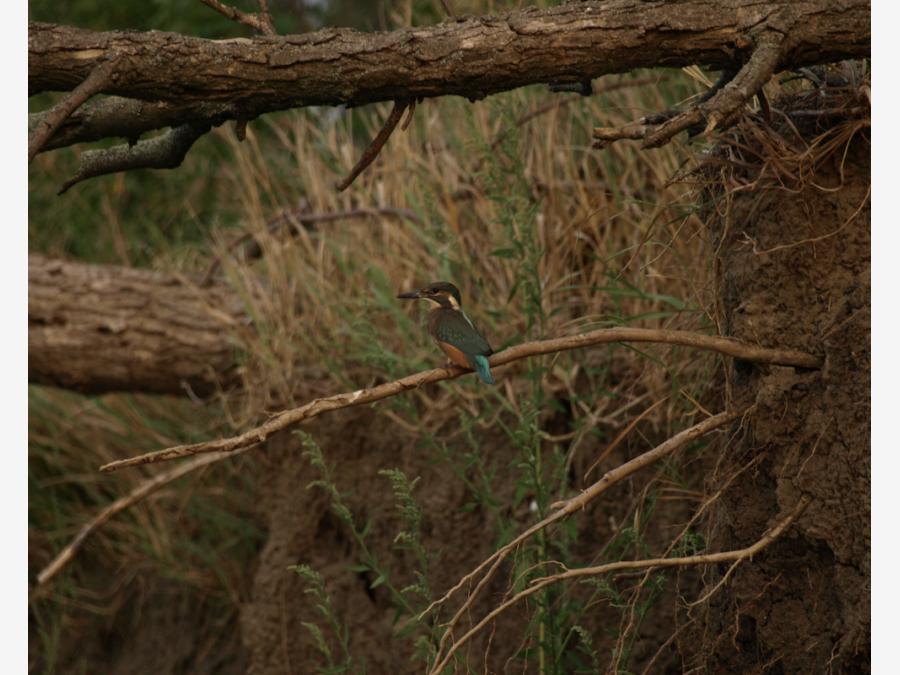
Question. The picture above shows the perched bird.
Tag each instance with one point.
(453, 331)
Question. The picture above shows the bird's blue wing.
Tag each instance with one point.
(454, 328)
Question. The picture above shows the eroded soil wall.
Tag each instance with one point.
(793, 270)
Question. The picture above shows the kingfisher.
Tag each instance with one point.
(453, 331)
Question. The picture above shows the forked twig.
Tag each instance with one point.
(166, 151)
(261, 22)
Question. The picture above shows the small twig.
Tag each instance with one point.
(289, 418)
(304, 220)
(621, 436)
(583, 88)
(265, 16)
(53, 118)
(703, 559)
(447, 7)
(166, 151)
(146, 488)
(375, 146)
(555, 104)
(240, 130)
(410, 111)
(261, 23)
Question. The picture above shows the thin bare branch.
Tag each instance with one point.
(303, 219)
(143, 490)
(565, 508)
(166, 151)
(261, 23)
(51, 120)
(289, 418)
(375, 146)
(704, 559)
(622, 434)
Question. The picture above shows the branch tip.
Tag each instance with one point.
(376, 145)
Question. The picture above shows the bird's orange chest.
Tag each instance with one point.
(454, 354)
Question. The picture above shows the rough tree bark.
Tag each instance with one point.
(95, 328)
(195, 80)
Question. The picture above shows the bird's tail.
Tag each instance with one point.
(483, 368)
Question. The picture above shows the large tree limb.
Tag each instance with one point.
(99, 328)
(470, 57)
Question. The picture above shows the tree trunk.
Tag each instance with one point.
(97, 328)
(471, 57)
(793, 267)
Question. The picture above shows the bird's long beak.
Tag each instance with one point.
(410, 295)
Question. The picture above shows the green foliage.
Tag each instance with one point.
(410, 539)
(322, 603)
(408, 601)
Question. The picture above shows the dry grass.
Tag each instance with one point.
(543, 235)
